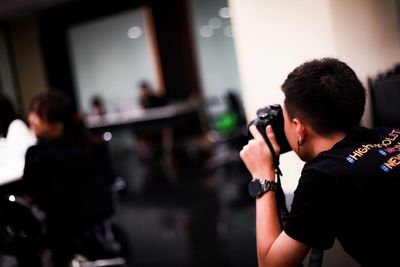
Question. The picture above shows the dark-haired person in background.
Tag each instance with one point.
(69, 175)
(148, 98)
(150, 140)
(97, 106)
(349, 185)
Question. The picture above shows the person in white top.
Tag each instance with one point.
(15, 139)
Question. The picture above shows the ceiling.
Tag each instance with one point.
(11, 9)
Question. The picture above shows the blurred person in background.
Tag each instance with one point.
(68, 175)
(150, 140)
(15, 136)
(97, 106)
(148, 98)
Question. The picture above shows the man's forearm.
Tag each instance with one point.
(267, 225)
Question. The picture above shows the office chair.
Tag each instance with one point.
(21, 231)
(385, 96)
(107, 246)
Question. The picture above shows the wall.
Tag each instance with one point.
(271, 39)
(108, 63)
(31, 76)
(368, 39)
(7, 82)
(215, 49)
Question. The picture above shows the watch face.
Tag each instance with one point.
(255, 188)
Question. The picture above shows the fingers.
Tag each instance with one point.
(272, 139)
(256, 155)
(255, 133)
(270, 134)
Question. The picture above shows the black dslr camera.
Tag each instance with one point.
(272, 115)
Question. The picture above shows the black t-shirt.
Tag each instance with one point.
(71, 183)
(352, 192)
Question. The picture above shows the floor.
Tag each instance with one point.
(191, 209)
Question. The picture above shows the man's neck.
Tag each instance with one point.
(324, 143)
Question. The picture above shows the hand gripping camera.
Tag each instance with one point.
(273, 115)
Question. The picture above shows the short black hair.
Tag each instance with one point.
(55, 106)
(325, 93)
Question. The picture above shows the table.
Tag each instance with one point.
(139, 116)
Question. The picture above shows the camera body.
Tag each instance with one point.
(272, 115)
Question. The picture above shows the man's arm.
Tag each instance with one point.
(274, 247)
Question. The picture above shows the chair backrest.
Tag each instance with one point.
(385, 95)
(21, 225)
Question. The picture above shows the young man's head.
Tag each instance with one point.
(326, 94)
(51, 114)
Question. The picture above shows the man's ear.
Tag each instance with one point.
(300, 129)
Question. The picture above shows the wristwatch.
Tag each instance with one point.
(258, 187)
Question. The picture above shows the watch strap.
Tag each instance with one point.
(270, 186)
(265, 186)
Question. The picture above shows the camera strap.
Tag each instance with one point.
(280, 195)
(275, 157)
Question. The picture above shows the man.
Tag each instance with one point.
(348, 186)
